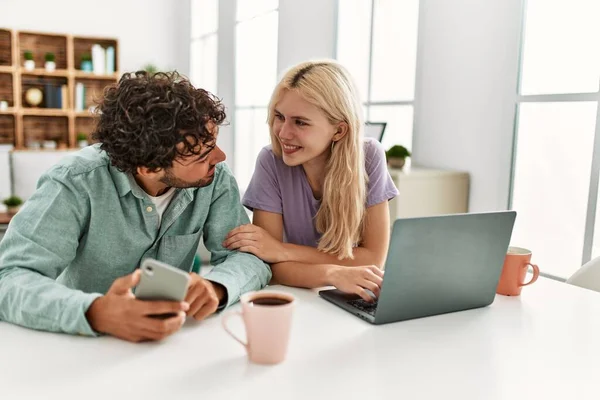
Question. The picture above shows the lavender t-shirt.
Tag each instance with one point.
(278, 188)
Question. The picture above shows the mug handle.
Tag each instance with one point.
(536, 274)
(226, 318)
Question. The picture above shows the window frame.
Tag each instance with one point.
(592, 205)
(369, 103)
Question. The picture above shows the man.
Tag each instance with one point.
(152, 187)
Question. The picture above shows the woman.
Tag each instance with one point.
(320, 191)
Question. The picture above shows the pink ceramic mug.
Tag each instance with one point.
(268, 318)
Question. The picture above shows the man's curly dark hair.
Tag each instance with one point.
(144, 117)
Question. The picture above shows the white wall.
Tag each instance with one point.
(149, 31)
(5, 184)
(465, 92)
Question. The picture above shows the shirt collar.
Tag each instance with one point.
(125, 183)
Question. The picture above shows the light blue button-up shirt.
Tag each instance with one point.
(89, 224)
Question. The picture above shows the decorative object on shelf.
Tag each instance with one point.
(29, 63)
(56, 107)
(34, 97)
(98, 59)
(34, 145)
(396, 156)
(79, 96)
(110, 60)
(49, 145)
(86, 62)
(150, 68)
(82, 140)
(50, 64)
(12, 203)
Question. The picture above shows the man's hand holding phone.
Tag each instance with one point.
(203, 297)
(120, 314)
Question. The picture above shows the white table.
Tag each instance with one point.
(543, 345)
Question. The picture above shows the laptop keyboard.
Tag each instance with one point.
(365, 306)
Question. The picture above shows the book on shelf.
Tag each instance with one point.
(64, 92)
(53, 96)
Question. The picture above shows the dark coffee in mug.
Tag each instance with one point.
(269, 301)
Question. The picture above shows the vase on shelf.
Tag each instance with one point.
(50, 66)
(12, 210)
(86, 65)
(29, 65)
(397, 163)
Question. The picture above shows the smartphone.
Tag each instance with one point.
(161, 281)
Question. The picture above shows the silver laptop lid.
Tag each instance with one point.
(443, 264)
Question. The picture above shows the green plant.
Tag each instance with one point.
(12, 201)
(49, 57)
(81, 136)
(28, 55)
(150, 68)
(397, 151)
(86, 57)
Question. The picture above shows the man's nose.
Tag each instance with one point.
(219, 155)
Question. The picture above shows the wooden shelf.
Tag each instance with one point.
(45, 112)
(42, 72)
(84, 114)
(22, 125)
(9, 111)
(25, 149)
(90, 75)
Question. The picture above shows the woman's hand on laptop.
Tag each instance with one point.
(357, 280)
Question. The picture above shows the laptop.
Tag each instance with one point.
(375, 130)
(436, 265)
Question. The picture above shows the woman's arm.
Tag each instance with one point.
(267, 232)
(371, 251)
(265, 240)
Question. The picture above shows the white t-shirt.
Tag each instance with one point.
(162, 202)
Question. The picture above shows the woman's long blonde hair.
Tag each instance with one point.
(328, 86)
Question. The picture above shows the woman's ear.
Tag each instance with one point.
(342, 130)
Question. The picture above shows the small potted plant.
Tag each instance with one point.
(50, 65)
(29, 63)
(396, 156)
(86, 62)
(150, 68)
(82, 139)
(12, 203)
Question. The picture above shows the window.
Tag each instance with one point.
(377, 42)
(203, 51)
(555, 177)
(255, 78)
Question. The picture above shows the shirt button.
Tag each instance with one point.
(149, 209)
